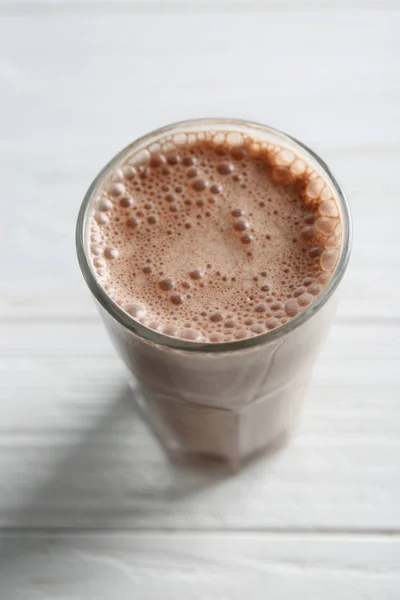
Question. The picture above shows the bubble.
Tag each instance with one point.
(196, 274)
(155, 325)
(281, 175)
(328, 208)
(171, 330)
(132, 223)
(176, 299)
(101, 218)
(305, 299)
(315, 252)
(272, 323)
(216, 317)
(326, 193)
(136, 310)
(265, 288)
(215, 337)
(173, 208)
(104, 204)
(219, 138)
(328, 259)
(98, 263)
(140, 159)
(189, 161)
(238, 153)
(276, 306)
(157, 160)
(309, 218)
(260, 308)
(117, 175)
(111, 253)
(129, 172)
(284, 158)
(116, 189)
(246, 238)
(186, 285)
(152, 219)
(166, 284)
(216, 188)
(146, 270)
(299, 291)
(257, 328)
(225, 168)
(96, 249)
(314, 289)
(325, 225)
(291, 308)
(237, 212)
(126, 202)
(298, 167)
(333, 242)
(323, 278)
(190, 334)
(307, 233)
(192, 172)
(173, 159)
(240, 334)
(315, 187)
(199, 185)
(241, 225)
(230, 324)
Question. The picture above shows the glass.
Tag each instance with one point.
(225, 400)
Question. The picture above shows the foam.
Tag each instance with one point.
(214, 236)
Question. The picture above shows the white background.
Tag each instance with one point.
(90, 508)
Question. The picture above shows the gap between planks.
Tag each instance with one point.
(157, 7)
(314, 532)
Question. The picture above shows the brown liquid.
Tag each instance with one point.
(216, 239)
(217, 236)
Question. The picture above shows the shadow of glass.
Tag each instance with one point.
(117, 476)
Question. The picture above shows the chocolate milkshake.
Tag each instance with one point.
(213, 248)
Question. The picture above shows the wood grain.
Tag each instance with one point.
(76, 454)
(199, 567)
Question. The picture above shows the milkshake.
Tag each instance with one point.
(212, 248)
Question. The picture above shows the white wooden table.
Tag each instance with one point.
(90, 508)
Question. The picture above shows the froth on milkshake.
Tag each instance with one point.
(214, 236)
(213, 249)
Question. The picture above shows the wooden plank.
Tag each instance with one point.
(44, 7)
(199, 567)
(199, 65)
(74, 453)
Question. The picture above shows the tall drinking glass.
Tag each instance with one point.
(222, 400)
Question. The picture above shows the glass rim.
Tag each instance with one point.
(150, 335)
